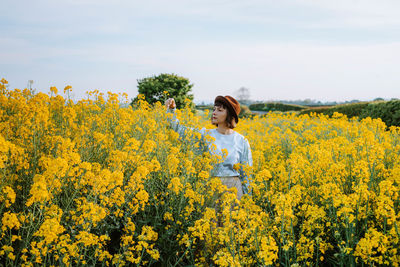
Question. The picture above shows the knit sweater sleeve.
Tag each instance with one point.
(175, 124)
(187, 133)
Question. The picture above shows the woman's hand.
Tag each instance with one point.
(170, 103)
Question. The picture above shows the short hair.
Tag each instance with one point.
(230, 118)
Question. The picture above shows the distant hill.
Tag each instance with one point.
(388, 111)
(275, 106)
(244, 110)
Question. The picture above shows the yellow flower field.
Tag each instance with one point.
(97, 183)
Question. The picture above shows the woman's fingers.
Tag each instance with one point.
(170, 103)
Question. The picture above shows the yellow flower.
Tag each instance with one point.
(148, 234)
(9, 196)
(148, 146)
(67, 88)
(10, 221)
(50, 230)
(168, 216)
(54, 89)
(87, 239)
(175, 185)
(268, 250)
(372, 246)
(38, 191)
(142, 197)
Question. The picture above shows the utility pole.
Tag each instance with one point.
(243, 95)
(30, 82)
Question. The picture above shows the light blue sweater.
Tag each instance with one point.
(237, 146)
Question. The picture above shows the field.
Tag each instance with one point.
(98, 184)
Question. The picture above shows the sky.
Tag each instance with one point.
(323, 50)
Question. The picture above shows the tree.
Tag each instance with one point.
(164, 86)
(243, 95)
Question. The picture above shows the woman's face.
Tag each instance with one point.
(219, 115)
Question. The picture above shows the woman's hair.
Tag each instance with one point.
(230, 119)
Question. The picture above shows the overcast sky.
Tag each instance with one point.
(288, 49)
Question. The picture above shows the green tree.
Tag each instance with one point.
(164, 86)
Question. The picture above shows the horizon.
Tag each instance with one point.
(210, 101)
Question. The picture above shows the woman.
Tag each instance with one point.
(225, 117)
